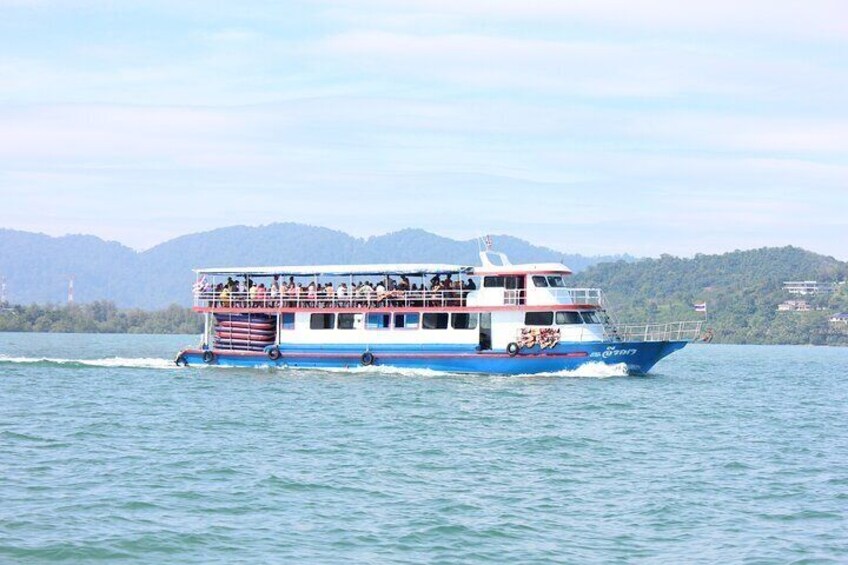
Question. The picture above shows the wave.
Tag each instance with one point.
(588, 370)
(111, 362)
(594, 370)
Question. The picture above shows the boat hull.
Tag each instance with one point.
(640, 357)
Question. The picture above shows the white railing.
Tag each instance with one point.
(592, 296)
(408, 298)
(306, 299)
(672, 331)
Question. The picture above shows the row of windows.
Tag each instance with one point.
(562, 318)
(398, 321)
(513, 282)
(433, 320)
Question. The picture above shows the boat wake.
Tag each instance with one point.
(593, 370)
(111, 362)
(589, 370)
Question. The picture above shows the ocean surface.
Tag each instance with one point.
(723, 454)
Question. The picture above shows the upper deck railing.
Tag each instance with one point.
(558, 295)
(672, 331)
(309, 300)
(304, 299)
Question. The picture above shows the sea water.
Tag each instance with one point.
(723, 454)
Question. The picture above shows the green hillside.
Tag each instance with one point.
(742, 290)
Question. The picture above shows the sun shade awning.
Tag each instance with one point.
(339, 270)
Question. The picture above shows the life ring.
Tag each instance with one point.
(367, 358)
(274, 353)
(512, 349)
(208, 357)
(181, 361)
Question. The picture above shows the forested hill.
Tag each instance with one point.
(37, 267)
(742, 290)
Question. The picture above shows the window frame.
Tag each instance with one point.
(566, 312)
(471, 316)
(352, 321)
(538, 312)
(283, 325)
(424, 317)
(385, 315)
(405, 316)
(325, 316)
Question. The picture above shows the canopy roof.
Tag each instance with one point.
(340, 270)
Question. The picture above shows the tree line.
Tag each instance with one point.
(98, 317)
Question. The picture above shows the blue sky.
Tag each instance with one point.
(599, 126)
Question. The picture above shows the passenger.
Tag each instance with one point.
(341, 294)
(234, 294)
(262, 295)
(367, 293)
(251, 293)
(312, 295)
(329, 294)
(274, 293)
(380, 291)
(225, 297)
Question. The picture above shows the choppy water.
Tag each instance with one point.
(723, 454)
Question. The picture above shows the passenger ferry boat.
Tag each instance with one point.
(498, 317)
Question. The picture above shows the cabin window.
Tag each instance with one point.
(322, 321)
(407, 321)
(540, 281)
(287, 321)
(556, 281)
(564, 318)
(590, 318)
(494, 282)
(435, 321)
(461, 321)
(377, 321)
(347, 321)
(538, 318)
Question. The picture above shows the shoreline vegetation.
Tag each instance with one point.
(98, 317)
(792, 328)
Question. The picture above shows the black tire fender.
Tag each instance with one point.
(208, 357)
(367, 359)
(274, 353)
(512, 349)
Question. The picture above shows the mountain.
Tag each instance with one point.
(37, 267)
(742, 290)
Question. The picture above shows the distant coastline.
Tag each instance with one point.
(101, 317)
(98, 317)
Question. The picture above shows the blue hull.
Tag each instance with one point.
(640, 357)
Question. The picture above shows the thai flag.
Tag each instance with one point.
(701, 307)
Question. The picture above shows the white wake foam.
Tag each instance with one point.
(135, 363)
(594, 370)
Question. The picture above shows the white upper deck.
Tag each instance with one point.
(493, 263)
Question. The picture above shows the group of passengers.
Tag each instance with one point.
(441, 292)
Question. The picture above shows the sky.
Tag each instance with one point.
(590, 126)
